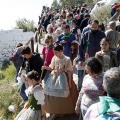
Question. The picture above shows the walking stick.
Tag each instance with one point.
(88, 43)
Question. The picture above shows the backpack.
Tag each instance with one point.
(13, 56)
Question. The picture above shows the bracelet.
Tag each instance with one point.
(43, 116)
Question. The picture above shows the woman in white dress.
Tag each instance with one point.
(60, 90)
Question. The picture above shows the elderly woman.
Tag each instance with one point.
(109, 106)
(91, 87)
(60, 90)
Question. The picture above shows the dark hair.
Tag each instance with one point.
(33, 75)
(70, 15)
(95, 65)
(64, 22)
(78, 11)
(105, 40)
(64, 11)
(58, 47)
(86, 15)
(61, 16)
(74, 11)
(102, 27)
(19, 45)
(95, 21)
(26, 50)
(67, 26)
(35, 29)
(52, 19)
(74, 21)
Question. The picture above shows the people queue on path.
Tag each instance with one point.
(72, 40)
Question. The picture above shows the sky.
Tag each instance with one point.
(11, 10)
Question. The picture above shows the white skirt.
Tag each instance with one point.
(29, 114)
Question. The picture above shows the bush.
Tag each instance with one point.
(25, 24)
(5, 64)
(7, 98)
(9, 73)
(8, 93)
(2, 75)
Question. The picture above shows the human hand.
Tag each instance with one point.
(44, 118)
(64, 41)
(31, 38)
(81, 63)
(19, 74)
(77, 109)
(26, 105)
(44, 67)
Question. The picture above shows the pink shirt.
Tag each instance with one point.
(77, 16)
(48, 55)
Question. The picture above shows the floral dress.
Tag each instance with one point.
(91, 90)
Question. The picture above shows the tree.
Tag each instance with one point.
(66, 2)
(55, 4)
(74, 2)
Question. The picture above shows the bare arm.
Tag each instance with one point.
(78, 103)
(46, 68)
(43, 113)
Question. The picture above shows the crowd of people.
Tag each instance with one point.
(72, 41)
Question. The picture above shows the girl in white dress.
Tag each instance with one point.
(34, 108)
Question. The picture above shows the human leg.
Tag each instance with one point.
(80, 79)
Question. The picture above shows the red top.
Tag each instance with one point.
(48, 55)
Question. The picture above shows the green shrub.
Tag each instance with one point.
(5, 64)
(25, 24)
(10, 73)
(2, 75)
(7, 98)
(8, 94)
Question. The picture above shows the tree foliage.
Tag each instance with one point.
(55, 4)
(74, 2)
(26, 25)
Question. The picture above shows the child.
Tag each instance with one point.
(108, 58)
(74, 46)
(34, 109)
(80, 71)
(48, 53)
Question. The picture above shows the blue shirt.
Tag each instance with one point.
(67, 46)
(93, 47)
